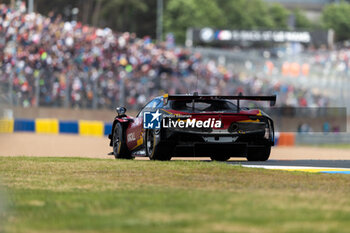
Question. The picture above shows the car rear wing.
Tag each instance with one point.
(195, 96)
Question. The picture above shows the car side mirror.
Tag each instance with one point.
(121, 111)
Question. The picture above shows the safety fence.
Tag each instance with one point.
(55, 126)
(342, 138)
(100, 129)
(87, 128)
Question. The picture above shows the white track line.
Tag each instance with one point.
(292, 167)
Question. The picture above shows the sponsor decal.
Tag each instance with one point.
(151, 120)
(154, 120)
(208, 35)
(131, 137)
(191, 123)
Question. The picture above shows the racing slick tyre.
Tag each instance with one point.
(259, 154)
(220, 157)
(156, 151)
(120, 150)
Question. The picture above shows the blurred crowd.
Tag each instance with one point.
(79, 66)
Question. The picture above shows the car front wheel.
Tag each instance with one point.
(120, 149)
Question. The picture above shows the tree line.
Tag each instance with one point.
(140, 16)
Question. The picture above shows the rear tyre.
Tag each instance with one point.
(220, 157)
(156, 151)
(259, 154)
(120, 150)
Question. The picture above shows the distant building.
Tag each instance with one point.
(313, 8)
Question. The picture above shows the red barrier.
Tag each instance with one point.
(286, 139)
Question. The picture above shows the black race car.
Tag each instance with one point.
(194, 125)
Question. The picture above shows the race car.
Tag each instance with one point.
(194, 126)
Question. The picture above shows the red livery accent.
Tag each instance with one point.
(195, 125)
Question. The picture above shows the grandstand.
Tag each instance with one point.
(46, 61)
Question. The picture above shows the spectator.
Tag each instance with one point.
(79, 66)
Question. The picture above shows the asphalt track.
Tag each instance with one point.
(299, 163)
(315, 166)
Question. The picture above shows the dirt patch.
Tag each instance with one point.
(304, 152)
(30, 144)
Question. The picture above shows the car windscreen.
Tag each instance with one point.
(202, 106)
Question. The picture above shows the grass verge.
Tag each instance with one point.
(95, 195)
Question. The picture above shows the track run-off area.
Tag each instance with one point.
(307, 159)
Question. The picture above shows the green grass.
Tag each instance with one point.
(96, 195)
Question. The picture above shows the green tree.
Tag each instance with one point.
(279, 15)
(337, 17)
(120, 14)
(182, 14)
(246, 14)
(301, 21)
(140, 16)
(237, 14)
